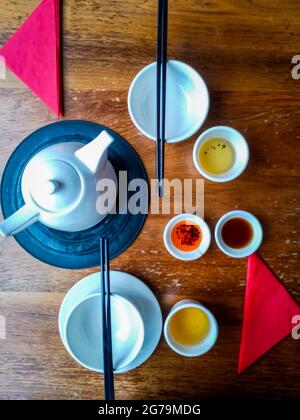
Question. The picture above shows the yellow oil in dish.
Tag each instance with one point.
(189, 326)
(216, 156)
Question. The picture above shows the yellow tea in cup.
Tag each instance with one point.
(216, 156)
(189, 326)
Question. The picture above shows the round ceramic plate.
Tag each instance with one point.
(72, 250)
(130, 287)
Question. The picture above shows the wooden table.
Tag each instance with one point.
(243, 49)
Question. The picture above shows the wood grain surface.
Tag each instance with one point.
(243, 49)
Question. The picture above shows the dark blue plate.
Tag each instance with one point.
(76, 250)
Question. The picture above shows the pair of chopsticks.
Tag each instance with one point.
(161, 81)
(109, 392)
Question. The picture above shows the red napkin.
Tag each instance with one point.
(268, 313)
(33, 54)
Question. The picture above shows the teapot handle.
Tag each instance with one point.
(18, 221)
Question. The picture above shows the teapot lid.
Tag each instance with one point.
(51, 183)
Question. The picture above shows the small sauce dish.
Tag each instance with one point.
(240, 151)
(245, 226)
(187, 237)
(201, 346)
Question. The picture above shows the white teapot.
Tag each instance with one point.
(59, 187)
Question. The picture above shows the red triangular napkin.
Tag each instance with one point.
(33, 54)
(268, 313)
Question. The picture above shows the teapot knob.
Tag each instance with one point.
(51, 186)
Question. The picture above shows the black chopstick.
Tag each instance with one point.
(161, 82)
(164, 87)
(106, 321)
(158, 92)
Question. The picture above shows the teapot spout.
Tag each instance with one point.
(94, 154)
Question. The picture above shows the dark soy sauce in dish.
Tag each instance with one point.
(237, 233)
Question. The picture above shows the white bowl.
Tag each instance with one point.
(239, 145)
(131, 288)
(83, 332)
(253, 245)
(187, 255)
(204, 345)
(187, 101)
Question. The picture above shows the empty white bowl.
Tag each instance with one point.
(255, 241)
(239, 145)
(83, 332)
(187, 101)
(187, 255)
(204, 345)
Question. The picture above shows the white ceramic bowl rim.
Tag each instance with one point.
(253, 245)
(139, 320)
(128, 286)
(236, 139)
(188, 70)
(198, 349)
(187, 255)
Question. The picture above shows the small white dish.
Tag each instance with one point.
(187, 101)
(83, 332)
(239, 145)
(205, 238)
(255, 241)
(204, 345)
(131, 288)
